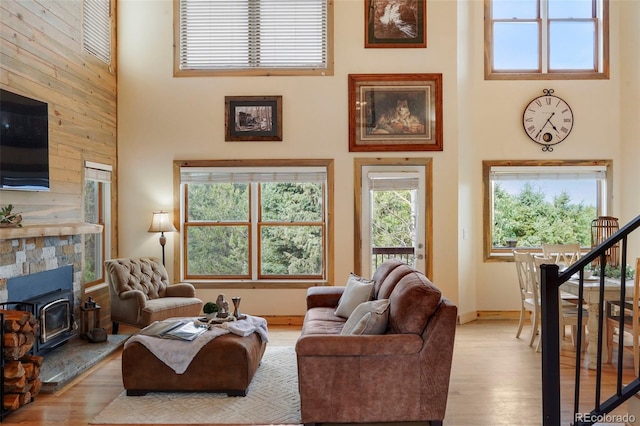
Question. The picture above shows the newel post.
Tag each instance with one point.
(550, 344)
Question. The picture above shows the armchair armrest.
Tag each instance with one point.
(324, 296)
(181, 290)
(365, 345)
(135, 296)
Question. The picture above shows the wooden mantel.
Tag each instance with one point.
(49, 230)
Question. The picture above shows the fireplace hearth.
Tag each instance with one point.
(49, 296)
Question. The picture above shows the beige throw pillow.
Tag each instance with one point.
(368, 318)
(358, 290)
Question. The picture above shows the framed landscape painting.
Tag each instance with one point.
(253, 118)
(395, 23)
(395, 112)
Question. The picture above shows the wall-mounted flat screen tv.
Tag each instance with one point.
(24, 143)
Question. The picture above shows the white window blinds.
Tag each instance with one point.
(506, 173)
(254, 174)
(97, 171)
(96, 27)
(399, 181)
(250, 34)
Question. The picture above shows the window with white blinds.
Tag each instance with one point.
(249, 35)
(96, 27)
(551, 202)
(261, 221)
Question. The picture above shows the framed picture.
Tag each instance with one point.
(253, 118)
(395, 112)
(395, 23)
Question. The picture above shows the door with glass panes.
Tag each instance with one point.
(392, 216)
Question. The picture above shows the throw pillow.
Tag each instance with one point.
(368, 318)
(358, 290)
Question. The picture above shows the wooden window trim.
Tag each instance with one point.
(264, 283)
(492, 254)
(328, 71)
(491, 74)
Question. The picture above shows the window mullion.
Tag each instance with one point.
(254, 33)
(543, 46)
(254, 218)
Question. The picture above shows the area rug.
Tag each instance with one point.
(272, 398)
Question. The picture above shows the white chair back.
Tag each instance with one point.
(562, 254)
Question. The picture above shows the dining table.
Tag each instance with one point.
(591, 296)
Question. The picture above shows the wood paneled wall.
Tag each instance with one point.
(42, 57)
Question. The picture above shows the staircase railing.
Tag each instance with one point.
(550, 281)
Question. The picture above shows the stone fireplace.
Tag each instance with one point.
(24, 258)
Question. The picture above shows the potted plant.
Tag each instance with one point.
(8, 219)
(210, 308)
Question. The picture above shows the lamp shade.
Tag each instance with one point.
(161, 223)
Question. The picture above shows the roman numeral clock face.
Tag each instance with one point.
(548, 120)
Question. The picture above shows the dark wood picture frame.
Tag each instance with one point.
(395, 112)
(253, 118)
(395, 23)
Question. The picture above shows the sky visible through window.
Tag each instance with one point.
(571, 44)
(584, 191)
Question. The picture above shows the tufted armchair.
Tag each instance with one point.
(141, 294)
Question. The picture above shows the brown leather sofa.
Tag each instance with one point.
(399, 376)
(141, 294)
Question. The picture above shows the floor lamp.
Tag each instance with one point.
(160, 223)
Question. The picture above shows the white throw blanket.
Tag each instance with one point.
(178, 354)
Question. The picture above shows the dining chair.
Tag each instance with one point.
(529, 296)
(570, 308)
(563, 254)
(630, 311)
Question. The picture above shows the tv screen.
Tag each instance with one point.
(24, 143)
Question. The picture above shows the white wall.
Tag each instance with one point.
(162, 119)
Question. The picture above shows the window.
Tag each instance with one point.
(528, 203)
(256, 222)
(546, 39)
(253, 37)
(97, 210)
(97, 29)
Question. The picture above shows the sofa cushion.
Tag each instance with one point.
(358, 290)
(368, 318)
(412, 303)
(386, 286)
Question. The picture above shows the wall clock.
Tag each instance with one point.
(547, 120)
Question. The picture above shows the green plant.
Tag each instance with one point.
(7, 217)
(615, 272)
(210, 308)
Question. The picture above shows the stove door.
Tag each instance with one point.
(55, 319)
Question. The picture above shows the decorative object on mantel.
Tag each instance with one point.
(8, 219)
(547, 120)
(160, 223)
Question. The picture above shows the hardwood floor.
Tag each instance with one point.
(496, 380)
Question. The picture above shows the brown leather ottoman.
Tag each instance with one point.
(225, 365)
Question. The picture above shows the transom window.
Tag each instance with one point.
(253, 37)
(529, 203)
(532, 39)
(255, 223)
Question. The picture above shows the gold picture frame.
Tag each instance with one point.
(395, 112)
